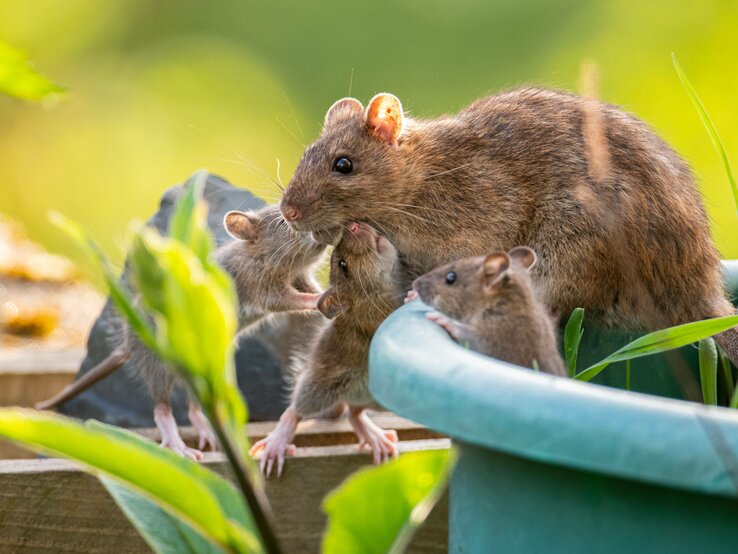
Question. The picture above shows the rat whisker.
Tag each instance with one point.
(289, 105)
(432, 175)
(294, 136)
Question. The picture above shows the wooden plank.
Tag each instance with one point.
(29, 375)
(52, 506)
(319, 432)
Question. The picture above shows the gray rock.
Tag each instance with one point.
(121, 399)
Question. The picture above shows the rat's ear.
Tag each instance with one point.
(494, 267)
(384, 117)
(523, 255)
(343, 109)
(241, 225)
(330, 305)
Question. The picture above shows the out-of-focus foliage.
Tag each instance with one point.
(159, 89)
(20, 79)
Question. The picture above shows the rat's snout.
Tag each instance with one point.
(290, 212)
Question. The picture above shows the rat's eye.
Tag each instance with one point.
(450, 277)
(343, 165)
(343, 266)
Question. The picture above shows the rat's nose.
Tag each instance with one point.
(290, 213)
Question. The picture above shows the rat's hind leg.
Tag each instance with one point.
(205, 435)
(277, 444)
(170, 437)
(382, 442)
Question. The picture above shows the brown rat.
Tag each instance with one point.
(272, 269)
(614, 215)
(488, 302)
(364, 289)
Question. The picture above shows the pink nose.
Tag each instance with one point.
(354, 227)
(291, 213)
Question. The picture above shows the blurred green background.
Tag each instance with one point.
(161, 88)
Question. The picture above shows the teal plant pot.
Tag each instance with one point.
(553, 465)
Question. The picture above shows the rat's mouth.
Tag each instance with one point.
(329, 236)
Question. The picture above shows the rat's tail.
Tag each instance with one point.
(117, 358)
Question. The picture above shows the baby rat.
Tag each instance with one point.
(364, 289)
(492, 308)
(272, 268)
(611, 210)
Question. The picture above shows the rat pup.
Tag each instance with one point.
(612, 211)
(364, 289)
(272, 269)
(488, 302)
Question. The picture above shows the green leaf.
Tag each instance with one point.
(118, 294)
(709, 125)
(204, 501)
(661, 341)
(708, 371)
(376, 510)
(188, 223)
(164, 533)
(572, 337)
(20, 79)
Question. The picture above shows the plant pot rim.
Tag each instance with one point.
(417, 371)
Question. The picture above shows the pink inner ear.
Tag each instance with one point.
(384, 117)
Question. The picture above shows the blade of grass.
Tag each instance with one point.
(572, 337)
(708, 371)
(661, 341)
(727, 371)
(709, 125)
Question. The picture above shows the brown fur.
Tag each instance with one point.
(612, 211)
(497, 311)
(358, 300)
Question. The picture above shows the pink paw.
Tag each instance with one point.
(185, 451)
(411, 295)
(444, 323)
(382, 444)
(269, 449)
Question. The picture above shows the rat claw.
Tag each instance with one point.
(280, 465)
(269, 464)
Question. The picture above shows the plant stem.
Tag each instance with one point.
(257, 502)
(627, 374)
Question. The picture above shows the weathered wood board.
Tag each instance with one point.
(29, 375)
(50, 505)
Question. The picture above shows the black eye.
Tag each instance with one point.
(343, 266)
(450, 277)
(343, 165)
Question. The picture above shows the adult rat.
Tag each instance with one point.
(488, 303)
(364, 289)
(611, 210)
(272, 268)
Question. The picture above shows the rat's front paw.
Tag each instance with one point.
(270, 448)
(451, 327)
(411, 295)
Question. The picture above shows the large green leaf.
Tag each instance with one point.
(709, 125)
(19, 78)
(165, 534)
(206, 502)
(572, 337)
(376, 510)
(661, 341)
